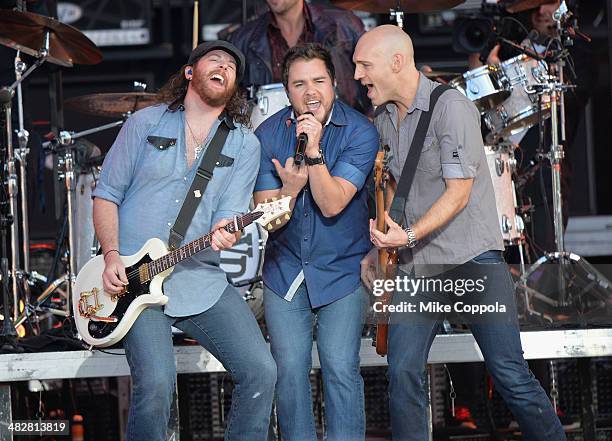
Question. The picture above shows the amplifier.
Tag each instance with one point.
(109, 23)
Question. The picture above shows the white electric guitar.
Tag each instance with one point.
(103, 319)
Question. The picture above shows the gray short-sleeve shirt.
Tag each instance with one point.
(453, 149)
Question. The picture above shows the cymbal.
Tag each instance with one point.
(112, 105)
(523, 5)
(407, 6)
(25, 31)
(440, 73)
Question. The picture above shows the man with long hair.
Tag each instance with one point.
(144, 180)
(311, 268)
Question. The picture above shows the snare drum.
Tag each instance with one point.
(520, 110)
(269, 99)
(486, 86)
(500, 160)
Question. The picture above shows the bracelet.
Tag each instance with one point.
(109, 252)
(412, 240)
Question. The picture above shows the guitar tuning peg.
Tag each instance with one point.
(278, 221)
(274, 199)
(287, 216)
(269, 226)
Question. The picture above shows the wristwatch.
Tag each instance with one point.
(412, 240)
(315, 161)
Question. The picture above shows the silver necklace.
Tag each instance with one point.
(199, 145)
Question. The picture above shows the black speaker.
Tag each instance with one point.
(109, 23)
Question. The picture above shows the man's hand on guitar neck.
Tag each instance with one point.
(221, 239)
(395, 237)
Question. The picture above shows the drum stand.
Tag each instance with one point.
(65, 144)
(582, 293)
(19, 278)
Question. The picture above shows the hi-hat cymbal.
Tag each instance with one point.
(112, 105)
(25, 31)
(523, 5)
(407, 6)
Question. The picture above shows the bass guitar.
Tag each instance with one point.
(387, 259)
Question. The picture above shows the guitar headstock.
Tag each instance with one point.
(276, 212)
(381, 166)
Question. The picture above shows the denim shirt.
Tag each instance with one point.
(327, 251)
(149, 183)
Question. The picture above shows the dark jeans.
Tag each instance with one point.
(500, 344)
(229, 331)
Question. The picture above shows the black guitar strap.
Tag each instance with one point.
(203, 176)
(416, 147)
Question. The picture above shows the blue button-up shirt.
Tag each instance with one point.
(327, 250)
(149, 184)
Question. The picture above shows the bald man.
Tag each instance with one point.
(449, 222)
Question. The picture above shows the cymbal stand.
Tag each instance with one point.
(554, 88)
(64, 144)
(582, 292)
(66, 139)
(557, 154)
(6, 98)
(22, 156)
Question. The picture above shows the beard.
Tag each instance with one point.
(212, 96)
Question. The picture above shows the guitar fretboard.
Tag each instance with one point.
(186, 251)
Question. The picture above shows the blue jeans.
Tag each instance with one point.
(501, 348)
(338, 327)
(229, 331)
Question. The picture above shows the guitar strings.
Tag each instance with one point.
(136, 271)
(205, 238)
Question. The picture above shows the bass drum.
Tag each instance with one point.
(269, 99)
(243, 264)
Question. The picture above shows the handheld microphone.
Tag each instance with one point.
(300, 150)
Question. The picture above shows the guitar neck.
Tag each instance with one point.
(169, 260)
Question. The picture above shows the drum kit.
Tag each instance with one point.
(511, 99)
(46, 40)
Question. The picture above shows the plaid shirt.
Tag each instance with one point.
(279, 46)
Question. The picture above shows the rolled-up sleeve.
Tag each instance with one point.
(236, 197)
(118, 167)
(458, 131)
(357, 158)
